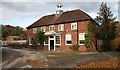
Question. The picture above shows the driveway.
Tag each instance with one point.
(72, 61)
(53, 61)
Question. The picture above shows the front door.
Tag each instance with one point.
(51, 44)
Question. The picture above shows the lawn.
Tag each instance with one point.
(112, 63)
(60, 54)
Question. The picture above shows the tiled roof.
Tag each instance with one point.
(68, 16)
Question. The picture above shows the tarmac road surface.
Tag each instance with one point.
(8, 56)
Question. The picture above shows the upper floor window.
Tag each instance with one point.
(81, 38)
(34, 30)
(68, 39)
(61, 27)
(51, 28)
(43, 29)
(73, 25)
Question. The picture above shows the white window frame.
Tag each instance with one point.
(68, 40)
(50, 27)
(72, 24)
(48, 42)
(34, 30)
(62, 27)
(81, 39)
(30, 40)
(44, 28)
(60, 40)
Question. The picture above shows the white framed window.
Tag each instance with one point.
(46, 41)
(60, 27)
(74, 26)
(34, 30)
(51, 28)
(58, 40)
(30, 40)
(68, 39)
(81, 38)
(43, 29)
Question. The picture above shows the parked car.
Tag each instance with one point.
(5, 44)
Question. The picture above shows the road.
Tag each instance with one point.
(9, 55)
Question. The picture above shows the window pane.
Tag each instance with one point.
(57, 39)
(74, 25)
(68, 42)
(34, 30)
(82, 41)
(52, 28)
(60, 27)
(30, 41)
(68, 36)
(43, 29)
(82, 36)
(46, 40)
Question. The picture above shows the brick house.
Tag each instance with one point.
(62, 30)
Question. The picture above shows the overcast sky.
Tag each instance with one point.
(24, 12)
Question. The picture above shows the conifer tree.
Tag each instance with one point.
(106, 31)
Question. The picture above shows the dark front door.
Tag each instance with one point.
(51, 44)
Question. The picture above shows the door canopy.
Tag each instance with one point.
(49, 33)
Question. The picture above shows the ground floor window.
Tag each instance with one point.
(46, 41)
(57, 38)
(30, 40)
(81, 38)
(82, 42)
(68, 39)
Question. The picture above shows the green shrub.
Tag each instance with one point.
(116, 44)
(105, 46)
(75, 47)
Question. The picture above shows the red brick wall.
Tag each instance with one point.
(82, 28)
(29, 33)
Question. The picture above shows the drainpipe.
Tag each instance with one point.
(77, 33)
(54, 42)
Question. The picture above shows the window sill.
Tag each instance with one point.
(81, 44)
(73, 29)
(46, 44)
(60, 30)
(68, 44)
(57, 44)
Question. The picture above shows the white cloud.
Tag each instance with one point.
(59, 0)
(22, 10)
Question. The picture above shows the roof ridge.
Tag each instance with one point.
(48, 15)
(70, 10)
(66, 16)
